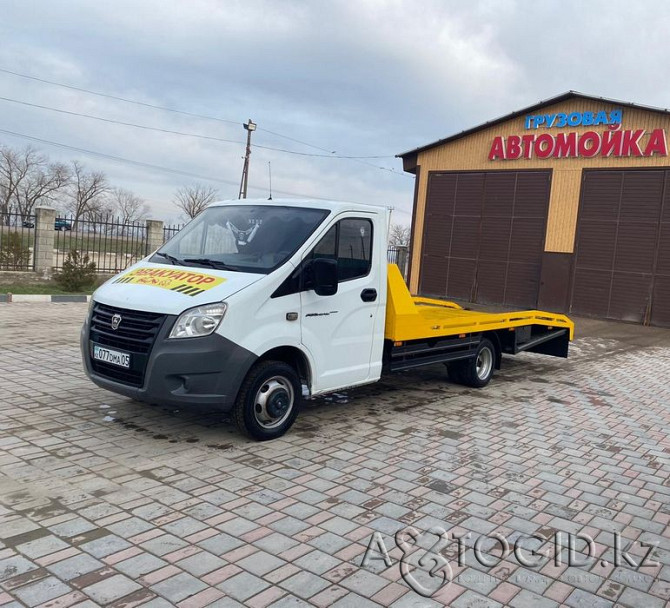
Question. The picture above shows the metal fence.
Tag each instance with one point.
(111, 244)
(398, 255)
(392, 254)
(170, 231)
(17, 241)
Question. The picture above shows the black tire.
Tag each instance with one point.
(478, 370)
(269, 388)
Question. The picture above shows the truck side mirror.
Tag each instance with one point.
(324, 276)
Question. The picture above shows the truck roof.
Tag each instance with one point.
(336, 206)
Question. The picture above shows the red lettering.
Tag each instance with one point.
(544, 145)
(194, 278)
(527, 145)
(631, 142)
(611, 143)
(563, 145)
(594, 147)
(513, 150)
(206, 280)
(566, 145)
(497, 148)
(657, 143)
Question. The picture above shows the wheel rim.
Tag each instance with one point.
(274, 402)
(484, 363)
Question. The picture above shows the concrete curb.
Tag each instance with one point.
(33, 297)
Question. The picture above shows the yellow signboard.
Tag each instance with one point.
(182, 281)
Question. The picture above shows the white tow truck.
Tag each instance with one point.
(254, 303)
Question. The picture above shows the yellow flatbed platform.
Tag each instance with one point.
(414, 318)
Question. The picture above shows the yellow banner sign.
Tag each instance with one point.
(182, 281)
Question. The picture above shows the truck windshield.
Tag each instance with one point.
(241, 238)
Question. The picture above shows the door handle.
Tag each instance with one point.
(369, 295)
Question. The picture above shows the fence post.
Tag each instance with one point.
(402, 260)
(154, 235)
(45, 218)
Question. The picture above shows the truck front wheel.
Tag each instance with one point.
(268, 402)
(476, 371)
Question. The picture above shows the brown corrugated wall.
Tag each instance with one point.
(471, 153)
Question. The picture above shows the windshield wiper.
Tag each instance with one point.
(173, 260)
(211, 263)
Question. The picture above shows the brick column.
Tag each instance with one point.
(154, 235)
(44, 240)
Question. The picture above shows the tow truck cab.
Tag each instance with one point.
(255, 303)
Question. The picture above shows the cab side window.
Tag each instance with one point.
(327, 246)
(354, 248)
(349, 242)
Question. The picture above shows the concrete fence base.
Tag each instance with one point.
(11, 298)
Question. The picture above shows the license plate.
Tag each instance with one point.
(114, 357)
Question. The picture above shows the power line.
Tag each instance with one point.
(157, 107)
(182, 133)
(304, 143)
(108, 96)
(144, 165)
(118, 122)
(358, 159)
(206, 117)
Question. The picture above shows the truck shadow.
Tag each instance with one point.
(380, 403)
(211, 428)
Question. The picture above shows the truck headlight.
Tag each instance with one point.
(198, 321)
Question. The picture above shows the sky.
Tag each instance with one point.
(322, 80)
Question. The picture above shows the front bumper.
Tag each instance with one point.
(189, 371)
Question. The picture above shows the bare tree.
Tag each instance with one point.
(41, 181)
(98, 212)
(87, 191)
(26, 179)
(399, 235)
(12, 171)
(194, 199)
(128, 205)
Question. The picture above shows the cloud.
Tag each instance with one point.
(364, 78)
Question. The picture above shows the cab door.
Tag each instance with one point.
(338, 330)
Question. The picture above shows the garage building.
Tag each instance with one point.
(563, 206)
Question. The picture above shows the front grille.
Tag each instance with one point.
(135, 334)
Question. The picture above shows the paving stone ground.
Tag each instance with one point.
(104, 501)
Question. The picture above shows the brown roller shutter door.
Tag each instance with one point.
(484, 236)
(622, 252)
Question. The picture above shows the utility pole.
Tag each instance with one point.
(249, 126)
(270, 172)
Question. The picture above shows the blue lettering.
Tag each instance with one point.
(601, 118)
(574, 119)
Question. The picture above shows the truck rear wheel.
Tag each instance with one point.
(476, 371)
(268, 402)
